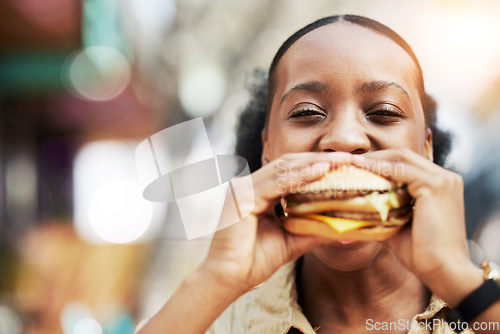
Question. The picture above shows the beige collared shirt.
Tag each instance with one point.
(272, 308)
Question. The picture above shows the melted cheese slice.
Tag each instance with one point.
(383, 203)
(340, 225)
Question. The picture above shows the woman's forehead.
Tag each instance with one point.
(341, 48)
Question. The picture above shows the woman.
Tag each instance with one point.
(343, 90)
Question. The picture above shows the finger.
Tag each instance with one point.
(295, 169)
(241, 230)
(260, 191)
(402, 155)
(413, 175)
(298, 245)
(285, 175)
(435, 180)
(294, 163)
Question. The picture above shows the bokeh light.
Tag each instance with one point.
(72, 314)
(202, 88)
(108, 202)
(118, 213)
(121, 323)
(9, 321)
(87, 326)
(153, 15)
(488, 237)
(97, 73)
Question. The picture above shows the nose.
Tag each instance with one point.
(345, 133)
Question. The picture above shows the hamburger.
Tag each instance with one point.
(348, 203)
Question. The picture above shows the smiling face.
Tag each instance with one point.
(342, 87)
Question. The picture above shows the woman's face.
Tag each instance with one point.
(342, 87)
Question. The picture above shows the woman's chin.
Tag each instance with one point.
(348, 255)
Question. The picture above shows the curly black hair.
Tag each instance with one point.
(261, 85)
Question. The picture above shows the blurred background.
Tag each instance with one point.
(83, 82)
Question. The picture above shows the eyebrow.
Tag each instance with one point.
(310, 86)
(378, 85)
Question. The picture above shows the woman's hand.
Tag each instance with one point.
(245, 254)
(248, 252)
(434, 245)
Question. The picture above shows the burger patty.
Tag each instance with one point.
(368, 216)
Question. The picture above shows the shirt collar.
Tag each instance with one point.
(281, 289)
(278, 298)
